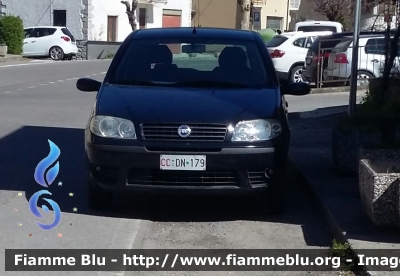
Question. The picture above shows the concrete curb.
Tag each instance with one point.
(341, 89)
(9, 58)
(334, 227)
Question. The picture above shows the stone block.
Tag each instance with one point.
(379, 191)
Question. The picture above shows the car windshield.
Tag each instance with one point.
(192, 63)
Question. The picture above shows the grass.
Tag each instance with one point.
(345, 252)
(109, 56)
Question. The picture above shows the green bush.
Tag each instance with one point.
(12, 33)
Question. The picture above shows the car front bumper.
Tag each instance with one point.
(230, 170)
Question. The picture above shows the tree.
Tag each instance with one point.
(130, 11)
(342, 10)
(246, 6)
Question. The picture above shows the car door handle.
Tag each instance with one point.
(34, 41)
(25, 42)
(375, 61)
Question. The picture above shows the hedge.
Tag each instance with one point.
(12, 33)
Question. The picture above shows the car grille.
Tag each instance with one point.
(200, 132)
(257, 177)
(181, 178)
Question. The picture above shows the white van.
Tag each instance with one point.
(319, 26)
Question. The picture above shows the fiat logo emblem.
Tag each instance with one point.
(184, 131)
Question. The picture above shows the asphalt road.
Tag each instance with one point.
(39, 101)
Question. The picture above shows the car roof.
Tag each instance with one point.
(313, 22)
(301, 33)
(205, 32)
(53, 27)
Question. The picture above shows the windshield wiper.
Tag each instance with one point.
(140, 82)
(213, 84)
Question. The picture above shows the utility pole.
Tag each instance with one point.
(354, 62)
(246, 7)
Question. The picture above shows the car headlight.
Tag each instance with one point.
(112, 127)
(256, 130)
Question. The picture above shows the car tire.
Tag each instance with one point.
(295, 74)
(98, 198)
(56, 53)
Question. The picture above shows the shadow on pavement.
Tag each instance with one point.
(311, 150)
(23, 149)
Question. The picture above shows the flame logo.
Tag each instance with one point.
(34, 210)
(45, 164)
(46, 179)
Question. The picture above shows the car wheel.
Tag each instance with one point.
(98, 198)
(56, 53)
(296, 74)
(363, 78)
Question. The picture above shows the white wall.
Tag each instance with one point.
(103, 8)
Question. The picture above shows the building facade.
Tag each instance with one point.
(102, 20)
(109, 21)
(227, 13)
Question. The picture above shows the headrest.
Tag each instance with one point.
(232, 56)
(161, 54)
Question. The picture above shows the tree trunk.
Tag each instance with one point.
(245, 16)
(389, 61)
(130, 12)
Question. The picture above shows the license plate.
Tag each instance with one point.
(183, 162)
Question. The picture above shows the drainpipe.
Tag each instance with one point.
(287, 15)
(51, 12)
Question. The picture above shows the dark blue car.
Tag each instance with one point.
(189, 110)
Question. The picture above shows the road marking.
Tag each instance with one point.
(51, 82)
(94, 74)
(19, 89)
(43, 84)
(7, 92)
(103, 73)
(30, 87)
(60, 80)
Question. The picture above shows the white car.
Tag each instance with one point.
(58, 43)
(319, 26)
(370, 60)
(288, 52)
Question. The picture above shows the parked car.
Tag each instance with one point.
(319, 53)
(288, 51)
(318, 26)
(370, 61)
(48, 41)
(165, 122)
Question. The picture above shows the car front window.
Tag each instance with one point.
(191, 63)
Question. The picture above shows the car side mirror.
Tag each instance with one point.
(295, 89)
(88, 85)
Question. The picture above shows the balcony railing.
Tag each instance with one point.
(260, 2)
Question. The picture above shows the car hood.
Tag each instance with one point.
(165, 104)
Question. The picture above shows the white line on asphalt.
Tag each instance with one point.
(94, 74)
(7, 92)
(51, 82)
(30, 87)
(103, 73)
(43, 84)
(19, 89)
(60, 80)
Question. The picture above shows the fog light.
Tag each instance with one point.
(268, 172)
